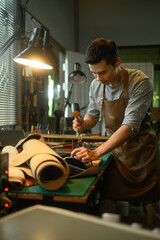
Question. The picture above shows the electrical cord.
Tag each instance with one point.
(26, 3)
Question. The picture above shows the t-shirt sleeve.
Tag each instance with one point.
(140, 101)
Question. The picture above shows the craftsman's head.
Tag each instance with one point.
(104, 62)
(101, 49)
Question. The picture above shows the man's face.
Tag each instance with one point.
(106, 74)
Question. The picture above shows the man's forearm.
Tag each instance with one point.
(122, 134)
(90, 122)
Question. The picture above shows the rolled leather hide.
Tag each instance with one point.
(39, 161)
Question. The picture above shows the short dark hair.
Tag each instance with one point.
(101, 49)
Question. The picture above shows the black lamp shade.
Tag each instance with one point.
(77, 76)
(35, 55)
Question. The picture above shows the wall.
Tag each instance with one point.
(128, 22)
(57, 16)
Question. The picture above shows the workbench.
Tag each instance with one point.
(53, 139)
(76, 192)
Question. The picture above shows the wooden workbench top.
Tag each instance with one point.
(91, 137)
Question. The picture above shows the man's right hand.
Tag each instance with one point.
(79, 125)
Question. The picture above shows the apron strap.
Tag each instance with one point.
(101, 103)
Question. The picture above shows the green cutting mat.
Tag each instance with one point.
(74, 186)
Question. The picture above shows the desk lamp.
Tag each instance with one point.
(75, 77)
(35, 54)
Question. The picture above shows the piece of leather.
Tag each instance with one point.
(80, 169)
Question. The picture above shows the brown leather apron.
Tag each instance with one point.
(135, 162)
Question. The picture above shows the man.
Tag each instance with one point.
(125, 97)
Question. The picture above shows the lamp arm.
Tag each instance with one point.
(68, 98)
(16, 36)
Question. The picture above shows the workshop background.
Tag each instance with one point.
(30, 98)
(72, 25)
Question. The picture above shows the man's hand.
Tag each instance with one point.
(79, 125)
(84, 154)
(117, 138)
